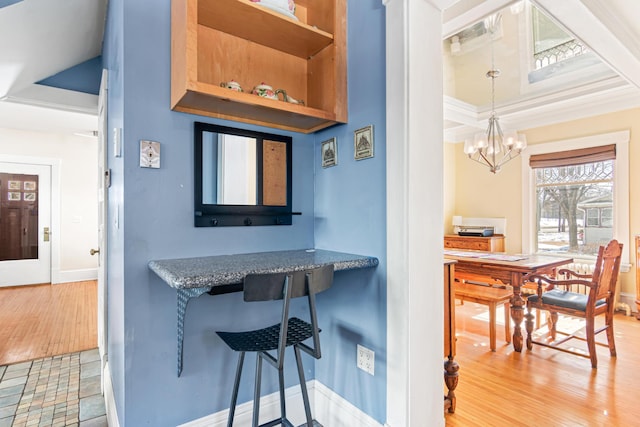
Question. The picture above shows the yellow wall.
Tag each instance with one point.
(478, 193)
(449, 186)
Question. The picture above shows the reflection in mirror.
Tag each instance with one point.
(241, 177)
(229, 172)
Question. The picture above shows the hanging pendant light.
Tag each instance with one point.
(494, 147)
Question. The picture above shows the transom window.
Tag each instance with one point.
(551, 43)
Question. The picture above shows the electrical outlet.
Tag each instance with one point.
(366, 359)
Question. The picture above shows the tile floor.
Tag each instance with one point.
(54, 392)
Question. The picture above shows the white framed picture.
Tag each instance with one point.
(329, 152)
(363, 143)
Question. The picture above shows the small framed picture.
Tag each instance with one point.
(29, 197)
(14, 196)
(363, 143)
(15, 185)
(30, 185)
(329, 153)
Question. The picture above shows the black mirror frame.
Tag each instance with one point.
(211, 215)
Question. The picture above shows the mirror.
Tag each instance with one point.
(241, 177)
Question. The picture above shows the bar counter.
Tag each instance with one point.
(192, 277)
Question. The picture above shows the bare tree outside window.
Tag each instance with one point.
(574, 207)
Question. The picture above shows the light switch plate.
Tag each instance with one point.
(117, 142)
(149, 154)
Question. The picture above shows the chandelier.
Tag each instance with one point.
(494, 147)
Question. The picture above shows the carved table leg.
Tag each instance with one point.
(529, 326)
(517, 311)
(451, 368)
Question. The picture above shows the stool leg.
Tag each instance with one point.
(256, 393)
(283, 408)
(492, 326)
(507, 322)
(236, 385)
(303, 387)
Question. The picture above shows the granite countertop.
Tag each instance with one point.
(221, 270)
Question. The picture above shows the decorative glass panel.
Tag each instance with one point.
(575, 207)
(18, 217)
(551, 43)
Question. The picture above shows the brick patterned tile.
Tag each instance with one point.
(53, 392)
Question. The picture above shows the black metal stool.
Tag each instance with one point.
(289, 332)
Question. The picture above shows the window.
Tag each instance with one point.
(571, 205)
(551, 43)
(553, 57)
(573, 208)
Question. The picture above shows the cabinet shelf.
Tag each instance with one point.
(263, 26)
(215, 41)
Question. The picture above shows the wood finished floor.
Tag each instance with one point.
(544, 387)
(505, 388)
(47, 320)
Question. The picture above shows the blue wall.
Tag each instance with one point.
(84, 77)
(343, 209)
(350, 216)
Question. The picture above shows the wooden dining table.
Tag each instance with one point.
(510, 270)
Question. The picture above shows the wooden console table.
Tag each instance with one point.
(192, 277)
(493, 243)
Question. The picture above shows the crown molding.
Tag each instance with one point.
(464, 13)
(594, 99)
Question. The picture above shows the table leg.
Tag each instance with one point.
(517, 310)
(451, 369)
(183, 298)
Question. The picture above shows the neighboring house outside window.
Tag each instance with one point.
(570, 201)
(571, 207)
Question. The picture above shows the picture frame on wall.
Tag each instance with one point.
(363, 143)
(329, 152)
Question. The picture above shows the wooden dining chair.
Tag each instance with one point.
(556, 297)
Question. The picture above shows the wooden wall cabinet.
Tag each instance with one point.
(493, 243)
(215, 41)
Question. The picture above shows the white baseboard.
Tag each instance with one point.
(627, 302)
(329, 408)
(74, 275)
(109, 398)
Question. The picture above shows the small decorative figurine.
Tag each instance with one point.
(288, 98)
(265, 91)
(232, 84)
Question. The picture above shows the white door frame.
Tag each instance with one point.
(415, 213)
(55, 205)
(102, 199)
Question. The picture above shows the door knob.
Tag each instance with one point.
(94, 251)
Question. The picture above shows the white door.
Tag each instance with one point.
(25, 224)
(102, 219)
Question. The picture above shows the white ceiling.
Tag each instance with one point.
(40, 38)
(609, 28)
